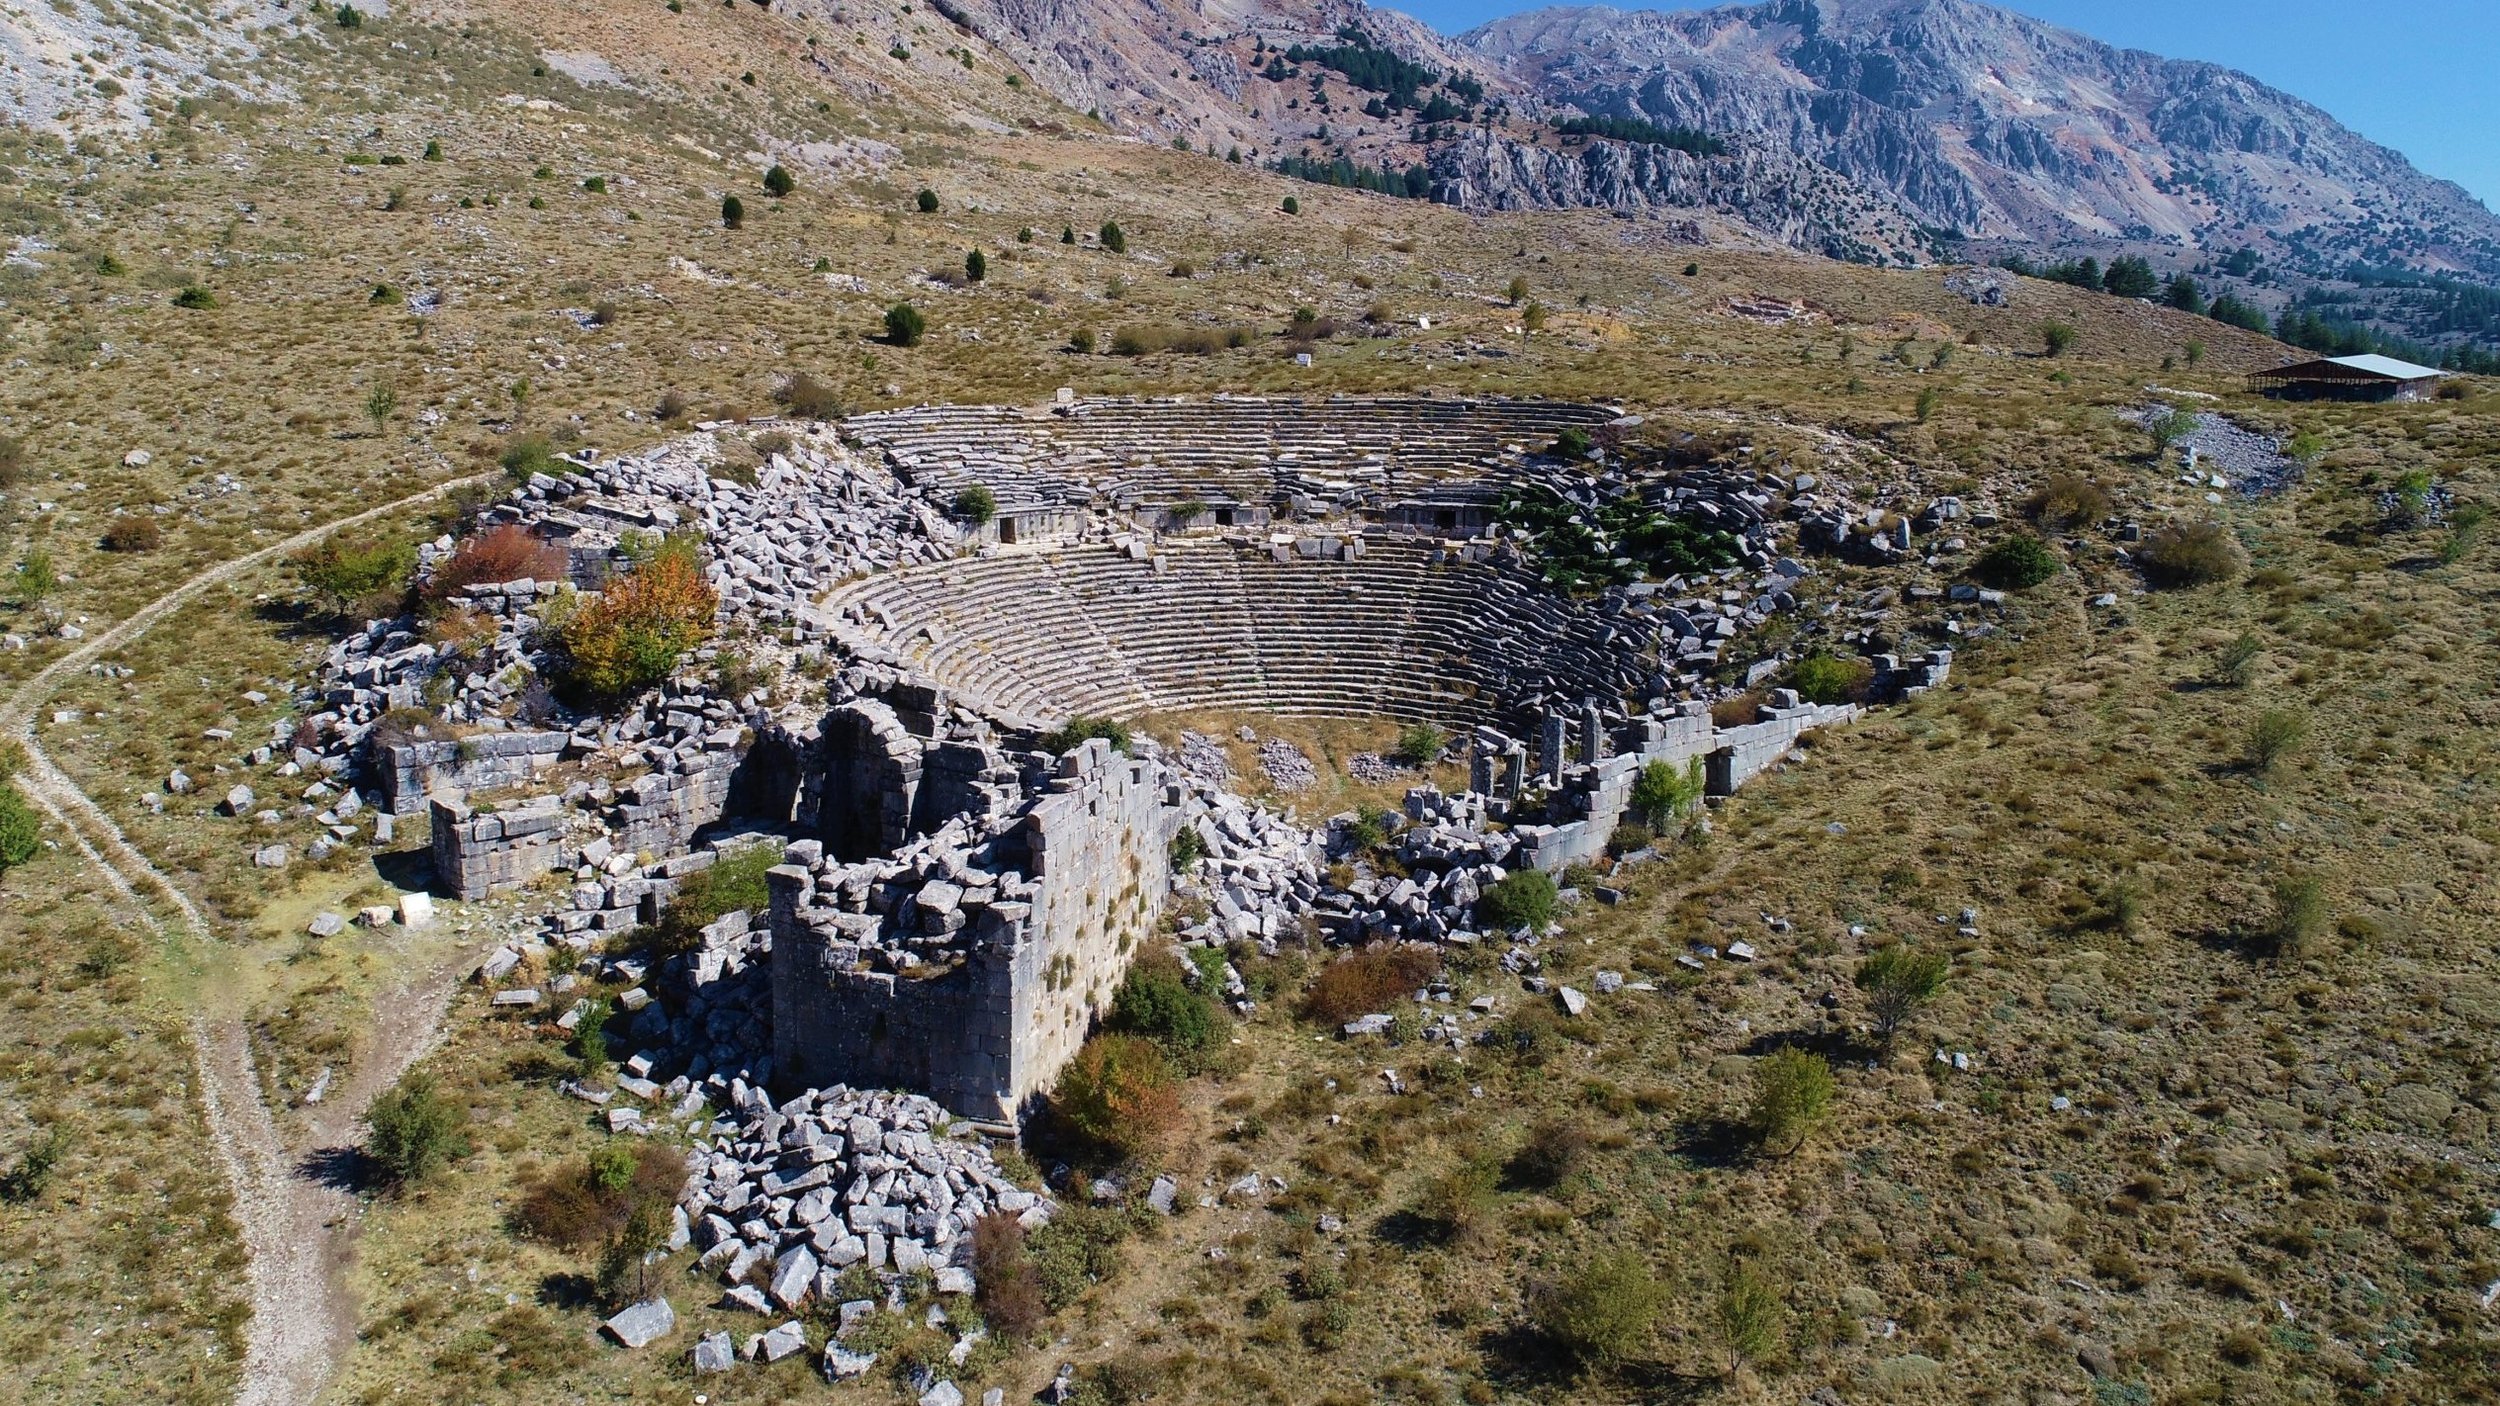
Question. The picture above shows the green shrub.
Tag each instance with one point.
(2189, 554)
(33, 577)
(904, 326)
(735, 881)
(2016, 563)
(1078, 1249)
(1292, 206)
(2167, 425)
(1664, 792)
(416, 1132)
(1601, 1312)
(385, 295)
(2237, 664)
(1828, 678)
(733, 212)
(1792, 1091)
(976, 266)
(1081, 729)
(927, 200)
(368, 577)
(1114, 238)
(976, 504)
(1898, 980)
(2057, 338)
(21, 832)
(1156, 1002)
(1081, 341)
(1186, 849)
(1420, 744)
(1573, 443)
(1524, 899)
(1749, 1315)
(196, 298)
(2299, 918)
(2276, 734)
(778, 181)
(525, 455)
(2465, 528)
(25, 1180)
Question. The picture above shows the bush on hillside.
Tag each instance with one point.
(976, 504)
(1524, 899)
(1366, 983)
(2189, 554)
(369, 578)
(1190, 341)
(2016, 563)
(508, 552)
(1156, 1002)
(587, 1202)
(416, 1132)
(1006, 1287)
(1828, 678)
(2067, 503)
(810, 397)
(904, 326)
(1792, 1091)
(1119, 1093)
(1601, 1312)
(633, 633)
(133, 532)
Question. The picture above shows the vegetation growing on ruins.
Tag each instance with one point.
(634, 631)
(1119, 1095)
(1622, 541)
(1081, 729)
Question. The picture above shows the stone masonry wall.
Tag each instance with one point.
(477, 854)
(488, 761)
(1601, 793)
(989, 1033)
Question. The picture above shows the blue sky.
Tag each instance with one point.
(2416, 75)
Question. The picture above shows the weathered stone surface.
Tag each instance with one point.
(643, 1323)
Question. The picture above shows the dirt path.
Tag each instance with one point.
(292, 1220)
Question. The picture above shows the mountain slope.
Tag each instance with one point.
(1999, 126)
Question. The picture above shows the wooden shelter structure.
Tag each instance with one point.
(2369, 377)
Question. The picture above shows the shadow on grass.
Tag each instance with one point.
(1520, 1361)
(568, 1291)
(1715, 1142)
(1835, 1044)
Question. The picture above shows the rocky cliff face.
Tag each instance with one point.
(1794, 201)
(1862, 128)
(1998, 126)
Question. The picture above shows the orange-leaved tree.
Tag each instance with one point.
(1119, 1093)
(629, 636)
